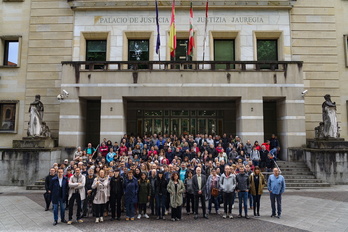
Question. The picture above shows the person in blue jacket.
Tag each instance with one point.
(276, 187)
(59, 191)
(110, 156)
(130, 186)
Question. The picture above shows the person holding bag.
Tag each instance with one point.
(213, 185)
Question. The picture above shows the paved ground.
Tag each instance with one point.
(303, 210)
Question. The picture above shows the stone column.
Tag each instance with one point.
(291, 125)
(112, 119)
(250, 120)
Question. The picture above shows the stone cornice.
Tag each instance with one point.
(146, 4)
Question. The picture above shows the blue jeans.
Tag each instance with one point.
(243, 196)
(214, 200)
(160, 204)
(62, 210)
(278, 198)
(130, 210)
(251, 200)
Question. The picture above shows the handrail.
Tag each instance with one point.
(144, 66)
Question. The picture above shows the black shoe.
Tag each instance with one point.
(206, 216)
(112, 219)
(118, 219)
(279, 216)
(247, 217)
(273, 215)
(258, 214)
(239, 215)
(195, 217)
(63, 221)
(255, 214)
(46, 209)
(158, 218)
(55, 223)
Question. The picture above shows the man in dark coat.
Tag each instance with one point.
(116, 193)
(89, 192)
(59, 190)
(47, 194)
(199, 182)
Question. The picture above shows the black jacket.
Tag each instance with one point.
(89, 182)
(48, 181)
(116, 186)
(242, 182)
(195, 184)
(161, 186)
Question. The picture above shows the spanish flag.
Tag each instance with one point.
(172, 33)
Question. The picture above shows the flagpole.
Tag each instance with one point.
(158, 41)
(205, 31)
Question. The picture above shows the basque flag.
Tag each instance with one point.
(191, 43)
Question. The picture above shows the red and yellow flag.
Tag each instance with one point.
(191, 43)
(172, 32)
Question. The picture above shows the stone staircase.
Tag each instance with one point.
(38, 185)
(298, 176)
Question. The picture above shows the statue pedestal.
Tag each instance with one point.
(35, 142)
(327, 143)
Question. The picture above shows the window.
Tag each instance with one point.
(10, 51)
(224, 51)
(181, 53)
(7, 117)
(267, 50)
(138, 50)
(96, 51)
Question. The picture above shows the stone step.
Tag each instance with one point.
(288, 176)
(35, 187)
(297, 173)
(284, 170)
(303, 180)
(301, 165)
(40, 182)
(306, 185)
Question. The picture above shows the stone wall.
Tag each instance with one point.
(330, 165)
(20, 167)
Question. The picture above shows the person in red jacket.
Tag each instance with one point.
(104, 150)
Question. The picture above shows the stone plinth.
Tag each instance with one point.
(35, 142)
(330, 143)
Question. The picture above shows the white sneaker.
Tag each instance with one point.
(97, 220)
(101, 219)
(166, 212)
(139, 216)
(146, 216)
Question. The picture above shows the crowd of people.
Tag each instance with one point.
(153, 175)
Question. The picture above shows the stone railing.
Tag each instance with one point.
(145, 66)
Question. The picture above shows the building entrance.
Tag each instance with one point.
(180, 118)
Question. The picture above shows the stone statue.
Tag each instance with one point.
(36, 125)
(330, 125)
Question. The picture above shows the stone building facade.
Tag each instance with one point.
(246, 97)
